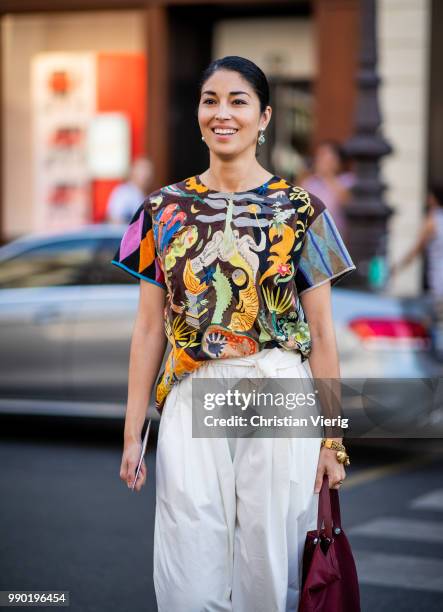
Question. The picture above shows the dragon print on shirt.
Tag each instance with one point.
(233, 266)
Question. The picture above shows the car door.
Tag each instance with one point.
(103, 330)
(40, 293)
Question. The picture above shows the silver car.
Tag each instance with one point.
(66, 317)
(67, 314)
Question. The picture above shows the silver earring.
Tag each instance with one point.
(261, 138)
(203, 137)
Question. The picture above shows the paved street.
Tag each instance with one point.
(67, 521)
(393, 516)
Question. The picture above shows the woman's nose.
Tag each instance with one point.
(223, 112)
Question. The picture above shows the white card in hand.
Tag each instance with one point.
(142, 454)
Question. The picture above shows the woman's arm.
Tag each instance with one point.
(324, 364)
(148, 346)
(317, 306)
(426, 234)
(147, 350)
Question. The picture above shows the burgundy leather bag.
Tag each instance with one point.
(329, 575)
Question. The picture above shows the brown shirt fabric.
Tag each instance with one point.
(233, 266)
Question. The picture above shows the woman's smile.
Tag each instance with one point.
(224, 133)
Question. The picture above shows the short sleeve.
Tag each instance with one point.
(137, 254)
(324, 256)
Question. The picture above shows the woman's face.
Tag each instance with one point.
(229, 114)
(326, 160)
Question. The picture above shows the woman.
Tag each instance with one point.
(430, 241)
(328, 182)
(223, 256)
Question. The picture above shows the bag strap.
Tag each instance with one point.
(335, 506)
(324, 508)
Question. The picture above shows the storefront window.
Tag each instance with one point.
(62, 71)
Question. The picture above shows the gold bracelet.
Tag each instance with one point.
(341, 454)
(330, 443)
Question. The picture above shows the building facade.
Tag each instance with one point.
(308, 49)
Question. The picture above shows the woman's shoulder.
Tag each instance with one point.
(182, 188)
(163, 193)
(298, 191)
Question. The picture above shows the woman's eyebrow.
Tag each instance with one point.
(231, 93)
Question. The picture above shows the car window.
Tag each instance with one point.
(104, 271)
(55, 263)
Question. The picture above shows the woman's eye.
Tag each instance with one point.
(210, 101)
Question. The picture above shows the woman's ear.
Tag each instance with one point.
(266, 117)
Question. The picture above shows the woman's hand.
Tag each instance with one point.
(328, 464)
(131, 455)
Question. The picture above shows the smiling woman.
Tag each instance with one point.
(234, 108)
(242, 262)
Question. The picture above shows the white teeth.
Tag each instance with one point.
(221, 131)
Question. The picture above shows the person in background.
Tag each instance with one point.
(127, 197)
(430, 241)
(329, 182)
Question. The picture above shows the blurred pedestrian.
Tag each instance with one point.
(329, 182)
(430, 242)
(127, 197)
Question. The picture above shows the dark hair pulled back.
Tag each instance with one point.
(247, 69)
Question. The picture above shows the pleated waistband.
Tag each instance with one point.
(266, 362)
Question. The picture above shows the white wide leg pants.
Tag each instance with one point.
(231, 513)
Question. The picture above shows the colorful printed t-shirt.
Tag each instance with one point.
(233, 266)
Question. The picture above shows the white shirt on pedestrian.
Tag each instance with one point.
(124, 201)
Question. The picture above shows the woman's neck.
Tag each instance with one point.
(234, 175)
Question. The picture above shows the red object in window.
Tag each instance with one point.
(121, 87)
(59, 82)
